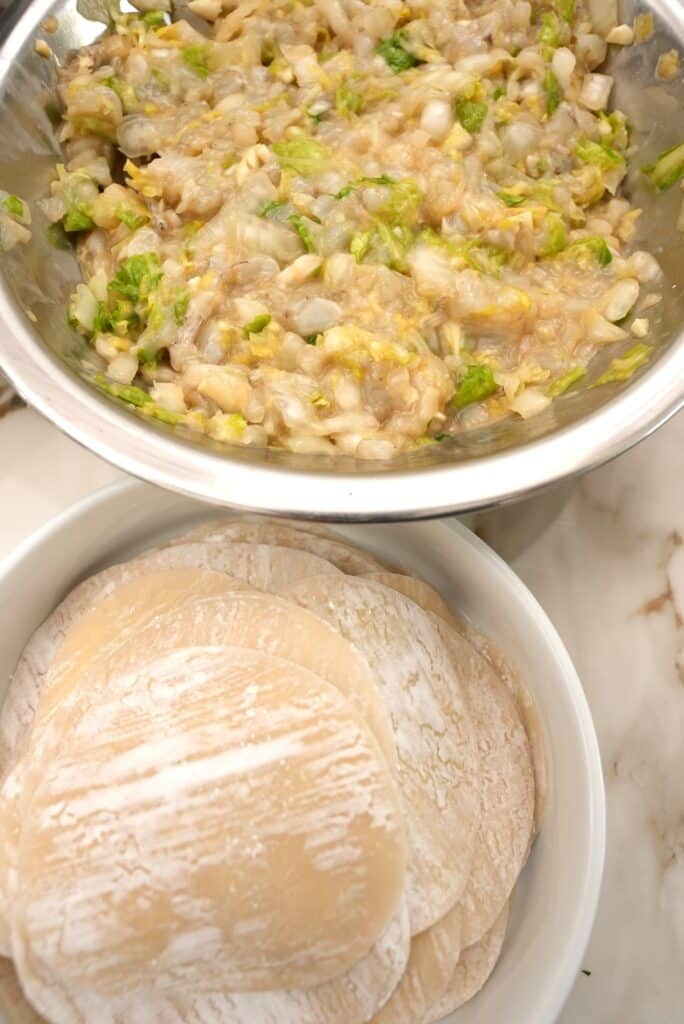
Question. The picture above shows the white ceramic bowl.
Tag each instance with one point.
(556, 898)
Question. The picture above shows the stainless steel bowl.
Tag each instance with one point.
(40, 353)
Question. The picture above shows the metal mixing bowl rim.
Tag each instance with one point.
(461, 486)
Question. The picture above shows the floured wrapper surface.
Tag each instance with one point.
(237, 779)
(429, 600)
(28, 681)
(473, 970)
(257, 621)
(434, 957)
(322, 543)
(438, 765)
(350, 998)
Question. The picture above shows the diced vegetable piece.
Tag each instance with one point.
(348, 101)
(396, 54)
(556, 235)
(83, 309)
(477, 384)
(404, 202)
(148, 358)
(623, 367)
(550, 33)
(312, 339)
(180, 307)
(303, 156)
(197, 59)
(564, 383)
(566, 9)
(137, 277)
(383, 179)
(554, 95)
(125, 91)
(270, 207)
(300, 226)
(360, 244)
(589, 250)
(154, 19)
(510, 199)
(126, 392)
(14, 206)
(132, 218)
(257, 325)
(668, 168)
(396, 240)
(76, 219)
(164, 416)
(471, 114)
(598, 154)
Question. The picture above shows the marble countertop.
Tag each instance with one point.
(605, 557)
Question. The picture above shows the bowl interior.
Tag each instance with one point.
(556, 899)
(44, 355)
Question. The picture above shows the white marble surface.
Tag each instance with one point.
(609, 569)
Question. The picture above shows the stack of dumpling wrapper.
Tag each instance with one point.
(256, 777)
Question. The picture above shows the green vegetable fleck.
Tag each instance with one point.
(154, 19)
(270, 207)
(312, 339)
(164, 416)
(147, 357)
(300, 226)
(471, 114)
(127, 392)
(257, 325)
(180, 307)
(566, 9)
(14, 206)
(668, 168)
(125, 91)
(395, 53)
(598, 154)
(348, 101)
(556, 235)
(589, 250)
(510, 199)
(623, 367)
(360, 244)
(137, 277)
(76, 219)
(564, 383)
(197, 59)
(554, 95)
(383, 179)
(303, 156)
(131, 218)
(550, 33)
(477, 384)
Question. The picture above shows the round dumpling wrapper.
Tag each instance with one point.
(28, 680)
(438, 763)
(430, 600)
(349, 998)
(433, 959)
(474, 969)
(506, 775)
(334, 549)
(254, 620)
(152, 882)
